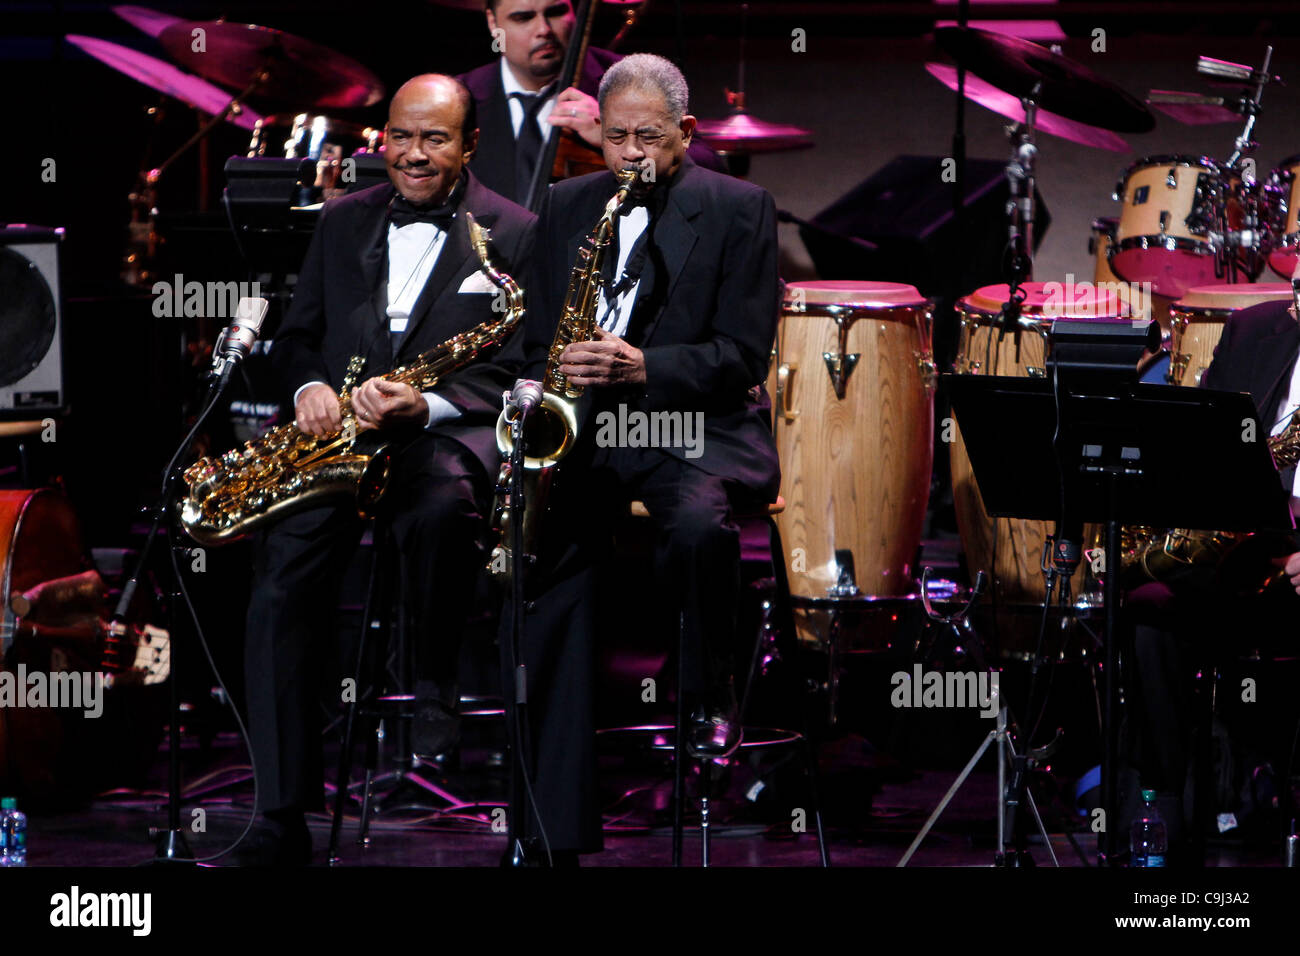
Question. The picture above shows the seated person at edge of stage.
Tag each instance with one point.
(1180, 623)
(390, 273)
(687, 323)
(518, 102)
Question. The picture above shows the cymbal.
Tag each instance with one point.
(1192, 109)
(1004, 104)
(151, 22)
(165, 78)
(742, 133)
(1069, 89)
(301, 72)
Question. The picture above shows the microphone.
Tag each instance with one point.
(236, 340)
(1067, 547)
(526, 396)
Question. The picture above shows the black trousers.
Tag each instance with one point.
(436, 503)
(697, 570)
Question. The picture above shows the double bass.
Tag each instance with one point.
(53, 605)
(565, 154)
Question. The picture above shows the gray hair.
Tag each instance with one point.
(648, 72)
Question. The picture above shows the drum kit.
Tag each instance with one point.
(309, 90)
(853, 380)
(303, 83)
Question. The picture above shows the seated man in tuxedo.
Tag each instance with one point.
(518, 99)
(687, 321)
(390, 273)
(1260, 354)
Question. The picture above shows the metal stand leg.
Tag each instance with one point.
(349, 725)
(810, 763)
(363, 832)
(679, 755)
(788, 646)
(956, 785)
(706, 773)
(1006, 752)
(1009, 749)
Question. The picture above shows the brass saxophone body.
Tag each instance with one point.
(1155, 554)
(287, 471)
(552, 428)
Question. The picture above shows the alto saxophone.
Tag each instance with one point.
(287, 470)
(552, 428)
(1154, 554)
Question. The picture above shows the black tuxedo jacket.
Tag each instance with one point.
(339, 304)
(494, 161)
(705, 314)
(1257, 354)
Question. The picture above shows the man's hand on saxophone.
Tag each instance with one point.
(317, 410)
(380, 403)
(605, 360)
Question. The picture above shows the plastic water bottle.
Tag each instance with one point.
(1148, 838)
(13, 833)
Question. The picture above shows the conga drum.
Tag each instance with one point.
(853, 416)
(1197, 320)
(1009, 549)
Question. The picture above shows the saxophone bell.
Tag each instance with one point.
(550, 431)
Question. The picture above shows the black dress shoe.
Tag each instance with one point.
(281, 840)
(713, 730)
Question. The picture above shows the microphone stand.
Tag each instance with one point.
(517, 682)
(171, 843)
(1020, 215)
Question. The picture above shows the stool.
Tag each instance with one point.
(385, 613)
(768, 738)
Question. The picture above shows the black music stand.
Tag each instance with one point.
(1126, 457)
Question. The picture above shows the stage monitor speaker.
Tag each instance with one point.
(31, 323)
(905, 209)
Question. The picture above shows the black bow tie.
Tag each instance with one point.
(403, 213)
(654, 200)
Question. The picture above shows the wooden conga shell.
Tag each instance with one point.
(1009, 549)
(1198, 319)
(855, 460)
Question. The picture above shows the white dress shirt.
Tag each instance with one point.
(630, 228)
(512, 86)
(413, 251)
(1284, 413)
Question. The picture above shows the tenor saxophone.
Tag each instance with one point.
(552, 429)
(286, 470)
(1153, 554)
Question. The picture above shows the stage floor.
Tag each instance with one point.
(115, 829)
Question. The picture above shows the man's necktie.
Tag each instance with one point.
(528, 143)
(403, 213)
